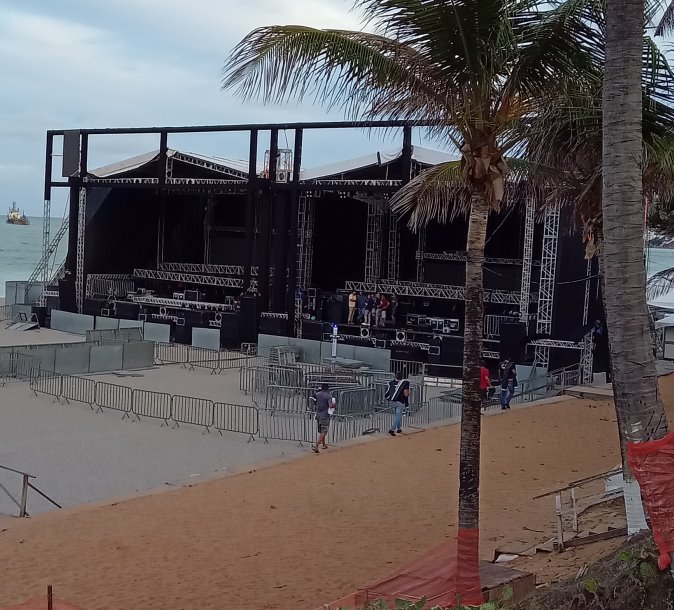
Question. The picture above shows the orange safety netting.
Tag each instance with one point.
(652, 463)
(450, 570)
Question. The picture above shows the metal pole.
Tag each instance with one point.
(24, 496)
(574, 507)
(50, 598)
(560, 526)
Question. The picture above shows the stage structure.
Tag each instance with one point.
(272, 246)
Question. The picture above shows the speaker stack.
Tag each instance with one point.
(127, 310)
(249, 319)
(312, 330)
(273, 326)
(230, 327)
(513, 341)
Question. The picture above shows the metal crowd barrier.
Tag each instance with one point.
(16, 366)
(409, 368)
(236, 418)
(298, 426)
(45, 383)
(171, 353)
(287, 398)
(78, 389)
(195, 411)
(115, 397)
(355, 400)
(156, 405)
(204, 358)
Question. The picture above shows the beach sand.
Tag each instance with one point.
(298, 534)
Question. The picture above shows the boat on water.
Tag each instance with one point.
(15, 217)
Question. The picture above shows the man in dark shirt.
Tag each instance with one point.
(398, 393)
(508, 384)
(324, 405)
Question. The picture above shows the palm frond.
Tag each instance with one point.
(352, 70)
(666, 24)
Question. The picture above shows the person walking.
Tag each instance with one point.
(360, 304)
(324, 406)
(508, 384)
(397, 394)
(353, 301)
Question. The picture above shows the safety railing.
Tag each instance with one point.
(408, 368)
(236, 418)
(22, 504)
(15, 367)
(156, 405)
(171, 353)
(190, 410)
(115, 397)
(492, 324)
(78, 389)
(44, 382)
(296, 426)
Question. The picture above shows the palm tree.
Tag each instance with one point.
(639, 407)
(473, 70)
(565, 147)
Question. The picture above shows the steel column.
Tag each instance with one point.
(527, 260)
(81, 228)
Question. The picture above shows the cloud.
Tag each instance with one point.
(76, 63)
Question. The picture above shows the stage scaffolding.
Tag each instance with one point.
(374, 238)
(527, 260)
(546, 291)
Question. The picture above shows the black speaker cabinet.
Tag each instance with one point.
(249, 319)
(41, 314)
(67, 295)
(513, 341)
(273, 326)
(230, 331)
(312, 330)
(129, 311)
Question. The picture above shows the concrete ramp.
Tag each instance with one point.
(23, 326)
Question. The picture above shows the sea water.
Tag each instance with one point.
(21, 249)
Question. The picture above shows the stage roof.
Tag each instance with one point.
(423, 156)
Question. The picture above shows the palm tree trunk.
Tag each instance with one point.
(468, 581)
(638, 405)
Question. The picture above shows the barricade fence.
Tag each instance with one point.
(16, 366)
(286, 413)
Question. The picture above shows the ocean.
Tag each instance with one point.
(21, 251)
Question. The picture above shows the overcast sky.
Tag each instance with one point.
(80, 63)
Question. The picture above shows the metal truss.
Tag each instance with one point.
(527, 260)
(42, 269)
(586, 359)
(228, 305)
(274, 315)
(432, 291)
(461, 258)
(421, 254)
(323, 183)
(491, 355)
(205, 182)
(393, 247)
(235, 270)
(548, 343)
(374, 239)
(546, 291)
(81, 229)
(46, 227)
(305, 254)
(223, 229)
(189, 278)
(210, 165)
(112, 181)
(105, 283)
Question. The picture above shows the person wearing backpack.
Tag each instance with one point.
(398, 393)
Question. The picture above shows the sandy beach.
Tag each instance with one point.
(301, 533)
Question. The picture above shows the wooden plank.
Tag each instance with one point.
(617, 533)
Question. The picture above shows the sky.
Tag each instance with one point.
(76, 63)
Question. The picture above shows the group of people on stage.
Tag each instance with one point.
(372, 309)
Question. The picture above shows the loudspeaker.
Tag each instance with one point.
(513, 341)
(195, 318)
(249, 319)
(183, 334)
(192, 295)
(41, 314)
(129, 311)
(401, 335)
(364, 332)
(52, 303)
(230, 336)
(92, 307)
(333, 307)
(67, 295)
(273, 326)
(312, 330)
